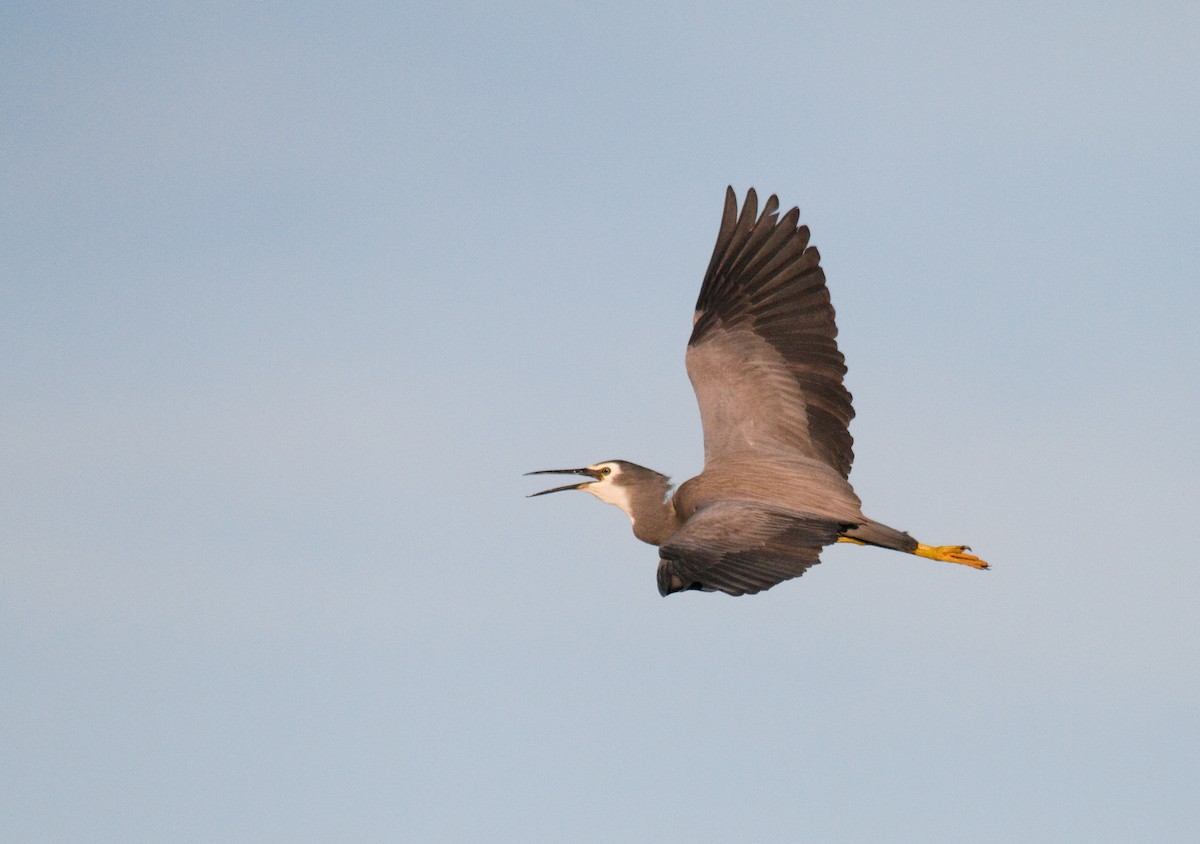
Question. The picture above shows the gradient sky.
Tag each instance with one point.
(292, 295)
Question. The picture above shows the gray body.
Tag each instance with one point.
(764, 362)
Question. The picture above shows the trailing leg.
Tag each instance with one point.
(880, 535)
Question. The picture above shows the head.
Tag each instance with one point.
(639, 491)
(616, 482)
(607, 481)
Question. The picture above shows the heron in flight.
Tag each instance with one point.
(764, 362)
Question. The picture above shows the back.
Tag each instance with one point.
(782, 480)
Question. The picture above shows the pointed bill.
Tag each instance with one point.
(591, 473)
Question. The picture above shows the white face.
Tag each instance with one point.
(606, 488)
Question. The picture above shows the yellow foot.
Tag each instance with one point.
(950, 554)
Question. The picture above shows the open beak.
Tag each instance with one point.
(591, 473)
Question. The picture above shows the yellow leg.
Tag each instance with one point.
(950, 554)
(848, 539)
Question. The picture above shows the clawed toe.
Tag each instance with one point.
(951, 554)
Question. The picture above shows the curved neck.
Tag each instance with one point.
(643, 498)
(652, 514)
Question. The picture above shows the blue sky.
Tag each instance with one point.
(292, 296)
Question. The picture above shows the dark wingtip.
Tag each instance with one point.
(770, 210)
(665, 578)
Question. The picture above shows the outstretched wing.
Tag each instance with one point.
(763, 358)
(741, 548)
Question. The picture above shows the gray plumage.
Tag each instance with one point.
(764, 362)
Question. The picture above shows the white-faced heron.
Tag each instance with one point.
(764, 362)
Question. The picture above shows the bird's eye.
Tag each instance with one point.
(606, 471)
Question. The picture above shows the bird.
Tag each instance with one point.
(768, 375)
